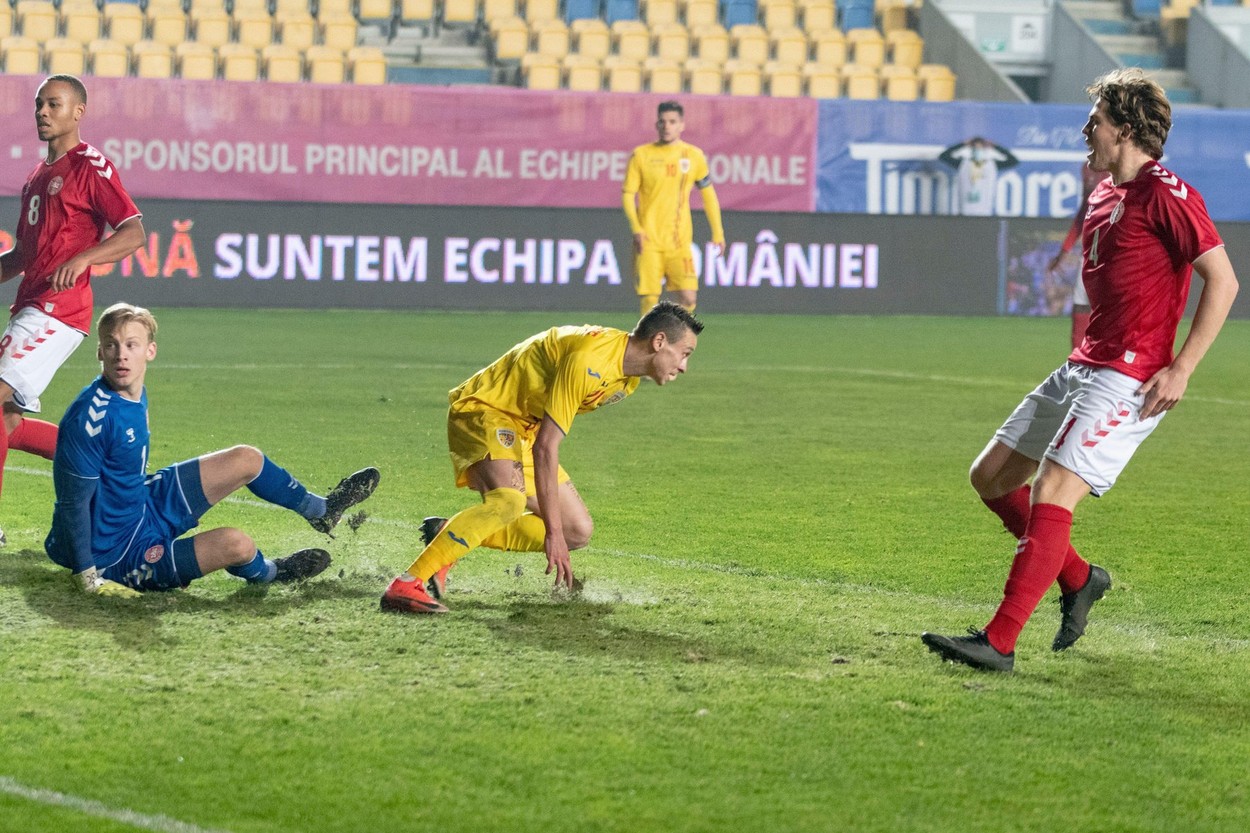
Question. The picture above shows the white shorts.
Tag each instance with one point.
(1079, 298)
(33, 348)
(1085, 419)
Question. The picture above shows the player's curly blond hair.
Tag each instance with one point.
(121, 314)
(1139, 102)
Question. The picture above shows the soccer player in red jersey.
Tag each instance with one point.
(67, 201)
(1145, 234)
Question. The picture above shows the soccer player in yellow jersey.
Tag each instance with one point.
(656, 199)
(504, 429)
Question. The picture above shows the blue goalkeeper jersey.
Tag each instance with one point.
(99, 473)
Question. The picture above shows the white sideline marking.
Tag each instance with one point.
(162, 824)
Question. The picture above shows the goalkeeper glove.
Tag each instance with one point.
(92, 582)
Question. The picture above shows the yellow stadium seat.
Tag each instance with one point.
(252, 28)
(293, 7)
(283, 64)
(711, 42)
(861, 82)
(659, 12)
(239, 62)
(750, 43)
(867, 47)
(81, 21)
(828, 47)
(196, 61)
(938, 82)
(785, 80)
(459, 13)
(700, 13)
(297, 30)
(212, 27)
(6, 19)
(239, 6)
(551, 38)
(789, 46)
(536, 11)
(21, 55)
(743, 78)
(65, 57)
(582, 73)
(818, 15)
(326, 65)
(540, 72)
(623, 75)
(198, 6)
(671, 40)
(663, 75)
(704, 76)
(339, 32)
(126, 23)
(893, 15)
(632, 39)
(167, 26)
(332, 8)
(906, 48)
(495, 9)
(376, 10)
(153, 60)
(778, 14)
(822, 81)
(510, 38)
(417, 13)
(591, 38)
(899, 83)
(37, 19)
(368, 65)
(109, 59)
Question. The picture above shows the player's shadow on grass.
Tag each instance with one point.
(135, 624)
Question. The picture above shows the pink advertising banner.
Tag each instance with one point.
(411, 144)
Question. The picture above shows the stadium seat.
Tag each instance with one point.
(778, 14)
(818, 15)
(294, 7)
(906, 48)
(21, 55)
(582, 73)
(828, 48)
(109, 59)
(64, 56)
(663, 75)
(368, 65)
(297, 30)
(496, 9)
(551, 38)
(705, 76)
(252, 28)
(580, 10)
(789, 46)
(867, 47)
(671, 40)
(197, 6)
(540, 72)
(211, 27)
(330, 8)
(738, 12)
(81, 21)
(282, 64)
(237, 7)
(239, 62)
(700, 13)
(339, 32)
(153, 59)
(167, 26)
(126, 23)
(822, 81)
(937, 81)
(861, 82)
(614, 10)
(622, 75)
(785, 80)
(326, 65)
(659, 12)
(379, 11)
(899, 83)
(743, 78)
(632, 39)
(591, 38)
(857, 14)
(711, 42)
(37, 19)
(893, 15)
(196, 61)
(6, 19)
(510, 39)
(537, 11)
(750, 43)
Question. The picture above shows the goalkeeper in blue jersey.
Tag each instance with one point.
(117, 529)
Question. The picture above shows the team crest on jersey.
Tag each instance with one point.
(154, 554)
(1117, 213)
(684, 165)
(506, 437)
(614, 398)
(54, 187)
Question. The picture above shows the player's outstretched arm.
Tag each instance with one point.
(547, 490)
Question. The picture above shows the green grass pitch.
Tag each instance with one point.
(773, 532)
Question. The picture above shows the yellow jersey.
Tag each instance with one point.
(559, 373)
(662, 176)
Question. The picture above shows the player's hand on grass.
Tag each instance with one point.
(558, 560)
(91, 581)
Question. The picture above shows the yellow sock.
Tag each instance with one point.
(526, 534)
(648, 301)
(467, 529)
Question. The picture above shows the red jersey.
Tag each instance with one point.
(1140, 239)
(65, 207)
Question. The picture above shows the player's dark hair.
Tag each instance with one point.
(671, 319)
(79, 88)
(669, 107)
(1139, 102)
(121, 314)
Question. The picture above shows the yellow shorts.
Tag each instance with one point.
(652, 265)
(478, 433)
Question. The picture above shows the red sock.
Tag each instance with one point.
(1039, 558)
(34, 436)
(1013, 509)
(1080, 323)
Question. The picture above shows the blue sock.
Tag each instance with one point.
(259, 570)
(276, 485)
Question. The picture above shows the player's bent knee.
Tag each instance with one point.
(578, 534)
(237, 546)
